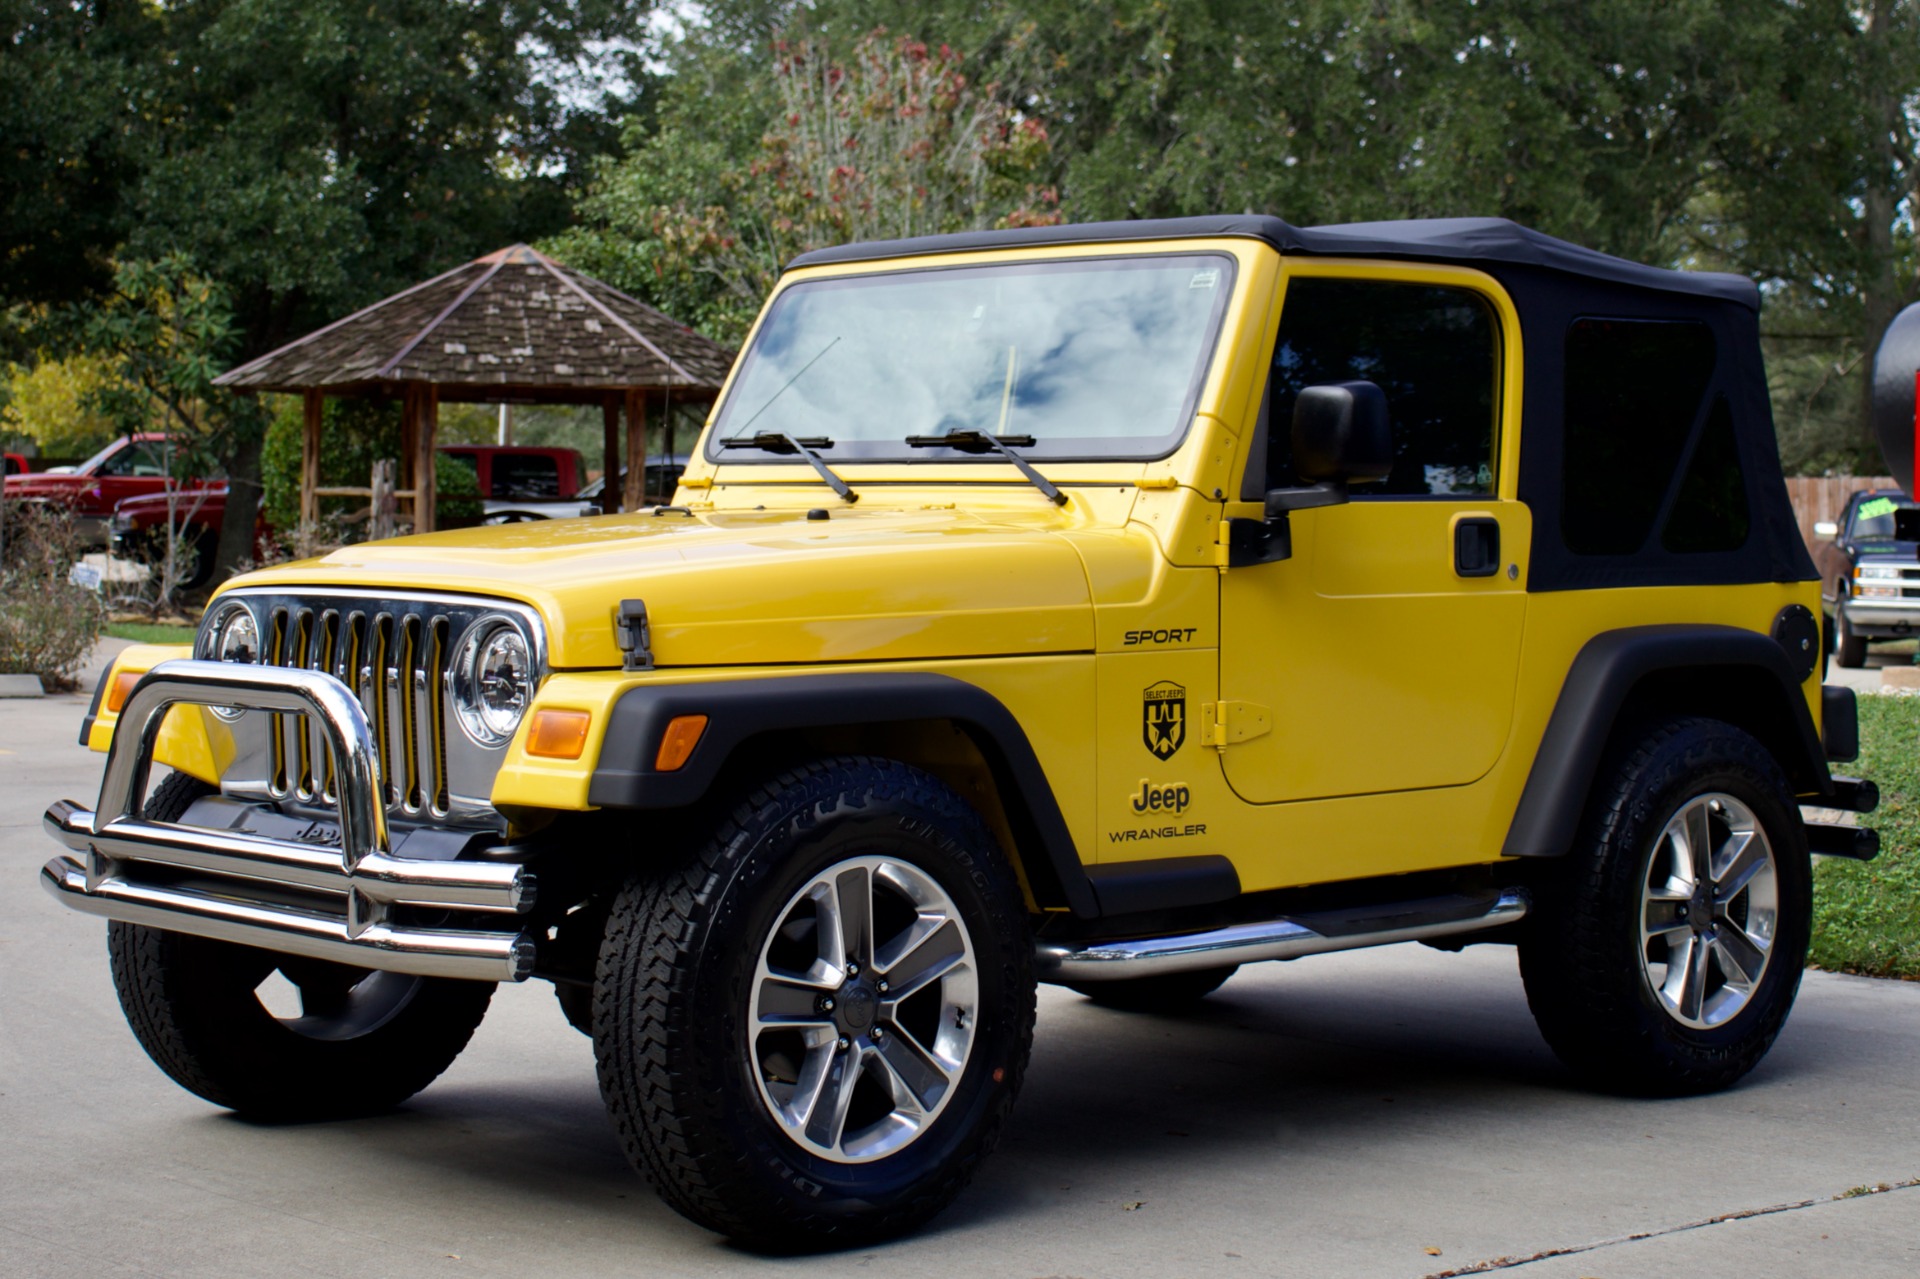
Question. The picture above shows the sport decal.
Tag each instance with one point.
(1163, 718)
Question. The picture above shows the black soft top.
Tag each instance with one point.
(1464, 240)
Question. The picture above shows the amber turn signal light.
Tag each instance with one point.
(121, 690)
(677, 743)
(558, 734)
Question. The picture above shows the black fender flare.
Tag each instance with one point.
(736, 710)
(1603, 676)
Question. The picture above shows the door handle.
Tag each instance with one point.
(1476, 546)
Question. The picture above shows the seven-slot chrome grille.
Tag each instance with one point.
(396, 654)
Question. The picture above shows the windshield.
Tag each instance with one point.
(1097, 358)
(1877, 517)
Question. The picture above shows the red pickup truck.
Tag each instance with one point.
(131, 466)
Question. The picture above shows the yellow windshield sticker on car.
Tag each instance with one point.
(1877, 507)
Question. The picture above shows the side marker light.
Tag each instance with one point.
(677, 743)
(122, 689)
(558, 734)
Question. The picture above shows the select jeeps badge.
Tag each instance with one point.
(1163, 718)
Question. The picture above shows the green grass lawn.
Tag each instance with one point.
(149, 633)
(1866, 915)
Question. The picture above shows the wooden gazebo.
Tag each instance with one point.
(514, 327)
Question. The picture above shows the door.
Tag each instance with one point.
(1384, 652)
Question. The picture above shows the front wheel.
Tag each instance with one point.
(1666, 959)
(361, 1042)
(810, 1032)
(1849, 647)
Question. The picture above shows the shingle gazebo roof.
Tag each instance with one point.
(511, 325)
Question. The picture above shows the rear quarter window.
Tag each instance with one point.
(1643, 446)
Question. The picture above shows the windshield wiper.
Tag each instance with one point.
(781, 442)
(981, 442)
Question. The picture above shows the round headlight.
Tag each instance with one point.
(496, 683)
(237, 638)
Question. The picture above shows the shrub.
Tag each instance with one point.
(48, 624)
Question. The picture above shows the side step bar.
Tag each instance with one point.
(1285, 938)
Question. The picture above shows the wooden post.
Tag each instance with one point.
(382, 501)
(315, 403)
(409, 435)
(610, 441)
(424, 489)
(635, 496)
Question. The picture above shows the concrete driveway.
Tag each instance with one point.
(1387, 1113)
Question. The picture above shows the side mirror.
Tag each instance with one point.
(1826, 528)
(1341, 435)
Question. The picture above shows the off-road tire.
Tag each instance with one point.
(672, 1009)
(1849, 649)
(1165, 993)
(1580, 952)
(190, 1002)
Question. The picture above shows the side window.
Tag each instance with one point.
(1434, 350)
(525, 475)
(1634, 391)
(135, 459)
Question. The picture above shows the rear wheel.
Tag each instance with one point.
(360, 1041)
(1668, 958)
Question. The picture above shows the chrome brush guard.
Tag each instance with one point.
(356, 904)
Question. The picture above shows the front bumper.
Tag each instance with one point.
(1882, 618)
(354, 904)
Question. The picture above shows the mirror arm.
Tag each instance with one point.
(1326, 493)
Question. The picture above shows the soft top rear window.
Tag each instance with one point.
(1089, 358)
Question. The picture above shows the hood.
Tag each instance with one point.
(752, 587)
(1884, 550)
(44, 484)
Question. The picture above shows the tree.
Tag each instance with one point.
(73, 79)
(160, 339)
(54, 403)
(1818, 170)
(312, 156)
(885, 138)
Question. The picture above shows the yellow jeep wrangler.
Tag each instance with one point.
(1108, 605)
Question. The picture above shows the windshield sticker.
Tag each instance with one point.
(1877, 507)
(1204, 279)
(1163, 718)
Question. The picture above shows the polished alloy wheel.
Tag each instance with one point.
(1709, 910)
(863, 1009)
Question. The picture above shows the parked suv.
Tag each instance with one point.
(1108, 605)
(1869, 566)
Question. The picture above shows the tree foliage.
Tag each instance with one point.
(309, 156)
(54, 402)
(884, 138)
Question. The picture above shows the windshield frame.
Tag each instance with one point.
(898, 452)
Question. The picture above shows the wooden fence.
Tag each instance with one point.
(1820, 497)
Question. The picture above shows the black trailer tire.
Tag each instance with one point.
(786, 1075)
(1164, 993)
(1666, 957)
(363, 1043)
